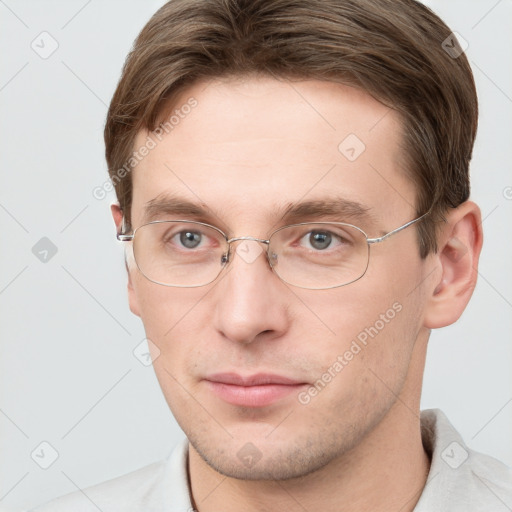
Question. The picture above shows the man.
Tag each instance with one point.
(293, 195)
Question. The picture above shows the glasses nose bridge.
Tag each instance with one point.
(254, 239)
(227, 256)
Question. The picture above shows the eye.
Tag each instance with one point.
(319, 240)
(181, 240)
(322, 239)
(189, 239)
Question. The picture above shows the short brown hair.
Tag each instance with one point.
(392, 49)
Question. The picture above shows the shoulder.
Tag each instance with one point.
(144, 489)
(460, 478)
(126, 492)
(491, 481)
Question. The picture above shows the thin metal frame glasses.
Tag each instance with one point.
(162, 261)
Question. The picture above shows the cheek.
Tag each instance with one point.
(363, 369)
(369, 326)
(171, 323)
(348, 313)
(162, 308)
(175, 323)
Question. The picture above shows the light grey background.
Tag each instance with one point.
(68, 374)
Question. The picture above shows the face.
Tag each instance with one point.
(245, 152)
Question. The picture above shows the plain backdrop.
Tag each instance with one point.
(67, 369)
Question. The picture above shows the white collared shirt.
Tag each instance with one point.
(459, 480)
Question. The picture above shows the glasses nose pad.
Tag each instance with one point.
(273, 259)
(224, 259)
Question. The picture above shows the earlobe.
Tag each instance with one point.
(460, 243)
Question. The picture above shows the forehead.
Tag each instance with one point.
(242, 146)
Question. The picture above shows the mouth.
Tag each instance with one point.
(257, 390)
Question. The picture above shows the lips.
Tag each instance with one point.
(257, 390)
(260, 379)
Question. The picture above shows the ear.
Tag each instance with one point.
(460, 243)
(117, 215)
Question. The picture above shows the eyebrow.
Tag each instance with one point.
(163, 204)
(336, 208)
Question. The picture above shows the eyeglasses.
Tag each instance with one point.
(312, 255)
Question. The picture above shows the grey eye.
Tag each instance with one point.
(190, 239)
(320, 239)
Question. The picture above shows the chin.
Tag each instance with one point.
(262, 460)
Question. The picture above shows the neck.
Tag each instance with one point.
(386, 471)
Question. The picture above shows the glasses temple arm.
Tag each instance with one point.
(387, 235)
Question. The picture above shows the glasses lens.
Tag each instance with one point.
(319, 255)
(176, 253)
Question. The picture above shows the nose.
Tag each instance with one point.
(250, 300)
